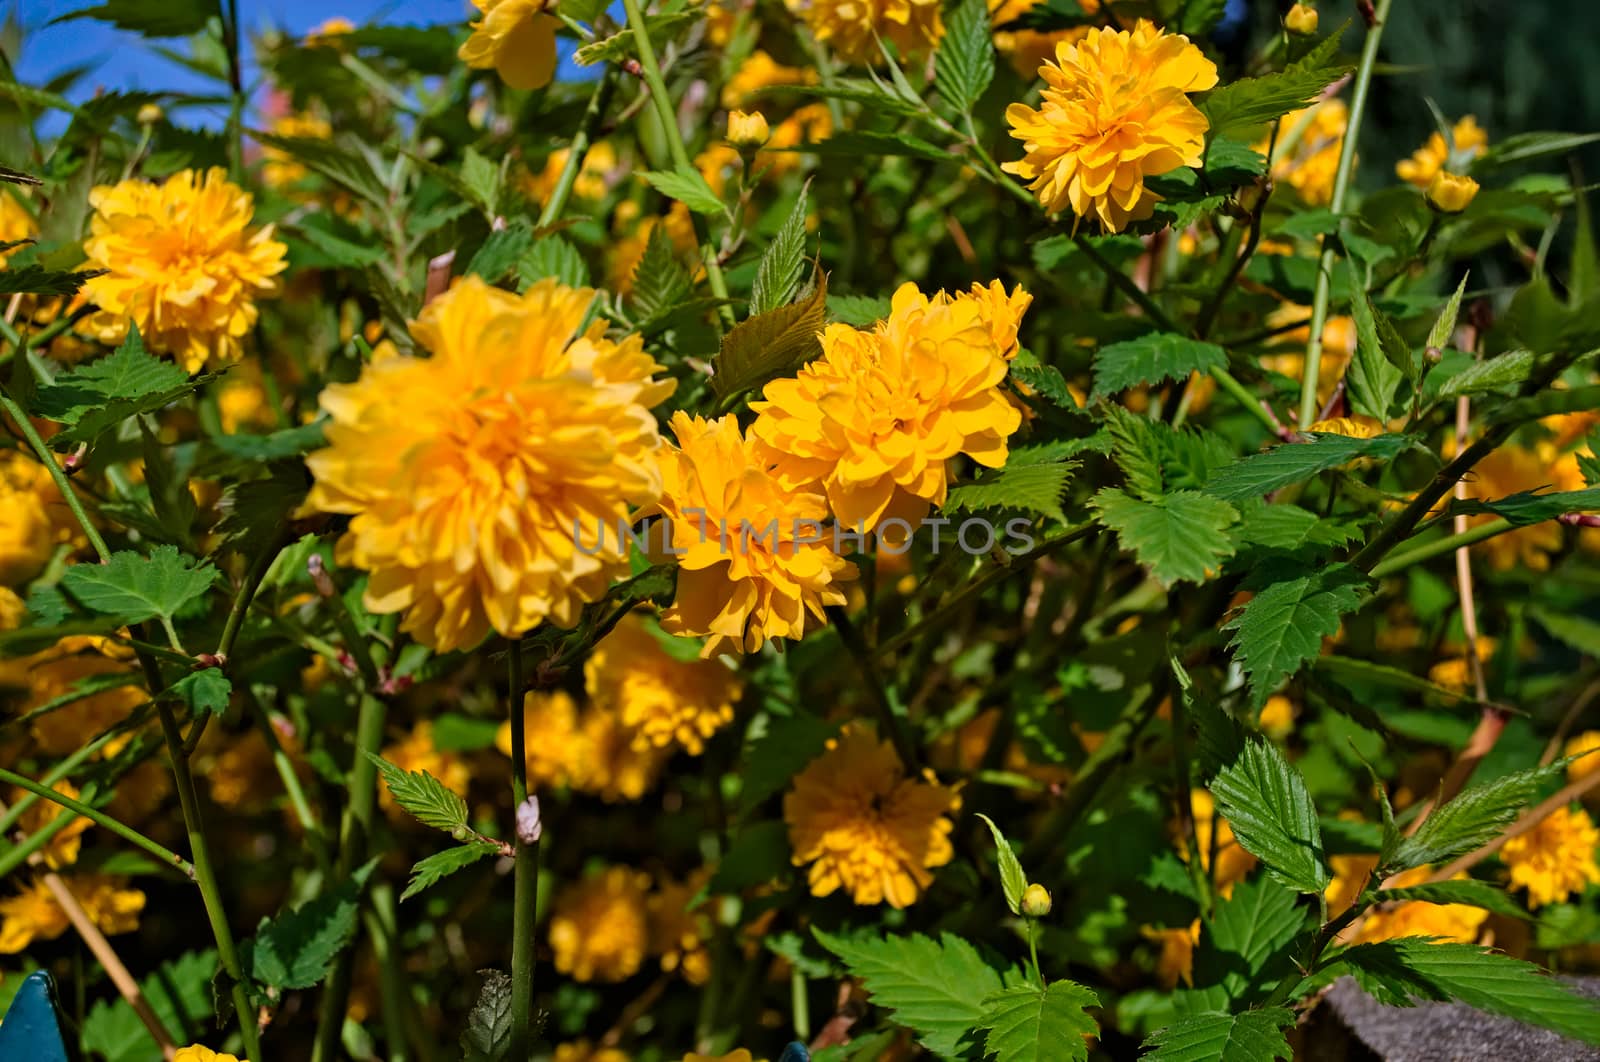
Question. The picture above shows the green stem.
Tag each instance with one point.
(1250, 402)
(651, 69)
(205, 874)
(598, 104)
(241, 601)
(526, 874)
(1033, 950)
(1341, 187)
(57, 473)
(1439, 547)
(230, 44)
(14, 813)
(99, 818)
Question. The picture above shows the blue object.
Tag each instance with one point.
(795, 1052)
(32, 1028)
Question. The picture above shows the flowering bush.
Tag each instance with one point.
(850, 530)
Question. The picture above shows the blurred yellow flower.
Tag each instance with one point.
(760, 71)
(598, 163)
(62, 849)
(875, 421)
(746, 572)
(184, 265)
(326, 33)
(481, 479)
(553, 741)
(1578, 745)
(515, 37)
(279, 168)
(1306, 156)
(851, 27)
(1451, 194)
(1470, 141)
(1030, 49)
(597, 925)
(864, 826)
(16, 221)
(1351, 427)
(12, 609)
(1216, 842)
(1114, 111)
(1176, 961)
(1413, 918)
(1338, 346)
(585, 1051)
(664, 700)
(33, 913)
(1277, 716)
(1511, 469)
(53, 675)
(1555, 859)
(679, 929)
(615, 765)
(200, 1053)
(27, 536)
(417, 751)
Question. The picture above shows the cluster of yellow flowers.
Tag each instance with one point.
(605, 924)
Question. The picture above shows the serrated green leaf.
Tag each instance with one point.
(1372, 381)
(1466, 891)
(1044, 380)
(1283, 526)
(254, 512)
(1472, 819)
(620, 46)
(487, 1037)
(129, 372)
(1526, 147)
(1445, 326)
(206, 691)
(1253, 1036)
(1137, 451)
(1503, 370)
(782, 266)
(1180, 537)
(136, 588)
(1573, 630)
(342, 166)
(178, 992)
(964, 65)
(1253, 101)
(170, 18)
(659, 280)
(1152, 359)
(1029, 487)
(553, 256)
(858, 144)
(428, 800)
(1530, 506)
(1266, 802)
(428, 872)
(481, 178)
(775, 343)
(297, 948)
(687, 187)
(36, 280)
(934, 988)
(1027, 1024)
(1012, 878)
(1280, 466)
(858, 311)
(1245, 944)
(1283, 625)
(1399, 971)
(501, 251)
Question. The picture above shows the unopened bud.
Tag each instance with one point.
(320, 579)
(1035, 901)
(1450, 193)
(1301, 20)
(529, 827)
(747, 130)
(150, 114)
(461, 833)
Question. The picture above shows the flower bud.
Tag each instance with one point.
(1449, 193)
(1035, 901)
(529, 826)
(747, 130)
(150, 114)
(461, 833)
(1301, 20)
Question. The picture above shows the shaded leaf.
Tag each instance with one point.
(428, 872)
(1266, 802)
(1253, 1036)
(1152, 359)
(775, 343)
(1179, 537)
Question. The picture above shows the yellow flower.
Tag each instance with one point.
(1338, 347)
(33, 914)
(1114, 111)
(1232, 862)
(1351, 427)
(747, 130)
(584, 1051)
(750, 568)
(875, 421)
(864, 826)
(1577, 745)
(27, 539)
(810, 124)
(417, 752)
(615, 766)
(12, 609)
(1425, 163)
(597, 928)
(62, 849)
(1176, 961)
(515, 37)
(16, 222)
(914, 27)
(281, 169)
(1030, 49)
(1277, 716)
(185, 265)
(1512, 469)
(1555, 859)
(53, 674)
(679, 931)
(1306, 156)
(480, 478)
(326, 34)
(241, 774)
(554, 744)
(758, 72)
(1455, 674)
(1301, 20)
(1413, 918)
(740, 1055)
(663, 699)
(1450, 194)
(200, 1053)
(598, 162)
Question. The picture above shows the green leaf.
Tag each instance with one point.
(137, 587)
(276, 445)
(782, 266)
(1044, 380)
(1530, 507)
(37, 280)
(1526, 147)
(620, 46)
(503, 250)
(1280, 466)
(1033, 488)
(481, 178)
(1283, 625)
(1475, 817)
(553, 256)
(428, 872)
(1444, 328)
(170, 497)
(858, 311)
(1506, 369)
(169, 18)
(1027, 1024)
(428, 800)
(1151, 359)
(659, 280)
(1245, 944)
(1372, 380)
(340, 252)
(759, 854)
(1266, 802)
(297, 948)
(1467, 891)
(935, 988)
(1573, 630)
(339, 164)
(487, 1037)
(129, 372)
(687, 187)
(964, 64)
(790, 742)
(775, 343)
(1253, 101)
(1253, 1036)
(206, 691)
(256, 511)
(1179, 537)
(179, 992)
(1398, 971)
(1283, 526)
(1137, 451)
(858, 144)
(1012, 878)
